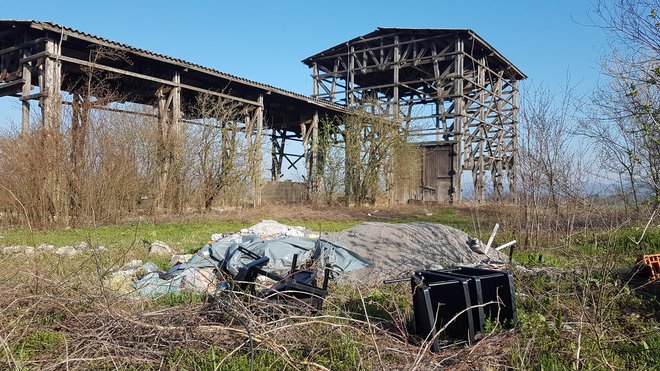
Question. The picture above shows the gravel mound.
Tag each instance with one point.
(397, 250)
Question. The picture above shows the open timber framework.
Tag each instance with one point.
(447, 87)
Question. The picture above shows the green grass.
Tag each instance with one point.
(214, 359)
(185, 237)
(546, 304)
(36, 344)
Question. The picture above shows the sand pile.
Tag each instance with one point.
(397, 250)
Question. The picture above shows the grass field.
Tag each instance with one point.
(576, 309)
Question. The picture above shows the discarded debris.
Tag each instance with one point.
(270, 229)
(492, 237)
(397, 250)
(650, 266)
(504, 246)
(177, 259)
(160, 248)
(227, 257)
(66, 250)
(458, 302)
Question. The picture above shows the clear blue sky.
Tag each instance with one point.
(266, 40)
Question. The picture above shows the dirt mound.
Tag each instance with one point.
(397, 250)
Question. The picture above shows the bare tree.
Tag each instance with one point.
(330, 160)
(95, 89)
(552, 167)
(369, 138)
(220, 150)
(626, 118)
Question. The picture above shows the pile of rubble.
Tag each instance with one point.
(370, 252)
(44, 248)
(227, 256)
(397, 250)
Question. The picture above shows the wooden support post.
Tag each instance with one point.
(51, 100)
(313, 171)
(395, 90)
(459, 113)
(512, 166)
(176, 104)
(163, 150)
(316, 82)
(27, 89)
(276, 166)
(350, 80)
(257, 155)
(478, 169)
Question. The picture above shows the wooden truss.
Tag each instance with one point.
(40, 60)
(446, 86)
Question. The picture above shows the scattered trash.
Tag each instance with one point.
(504, 246)
(400, 249)
(650, 266)
(177, 259)
(477, 246)
(122, 280)
(227, 257)
(492, 237)
(159, 248)
(270, 229)
(458, 302)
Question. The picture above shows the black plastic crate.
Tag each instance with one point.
(462, 299)
(491, 286)
(437, 299)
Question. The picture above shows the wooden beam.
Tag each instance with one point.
(155, 79)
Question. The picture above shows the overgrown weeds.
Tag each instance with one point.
(576, 309)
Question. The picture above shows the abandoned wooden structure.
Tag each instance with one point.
(446, 87)
(39, 61)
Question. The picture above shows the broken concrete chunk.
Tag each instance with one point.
(18, 249)
(136, 263)
(270, 229)
(45, 247)
(199, 280)
(67, 250)
(160, 248)
(176, 259)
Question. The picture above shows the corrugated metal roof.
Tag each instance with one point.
(71, 32)
(383, 30)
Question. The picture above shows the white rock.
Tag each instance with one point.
(176, 259)
(160, 248)
(199, 280)
(216, 236)
(45, 247)
(18, 249)
(269, 229)
(136, 263)
(66, 250)
(82, 246)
